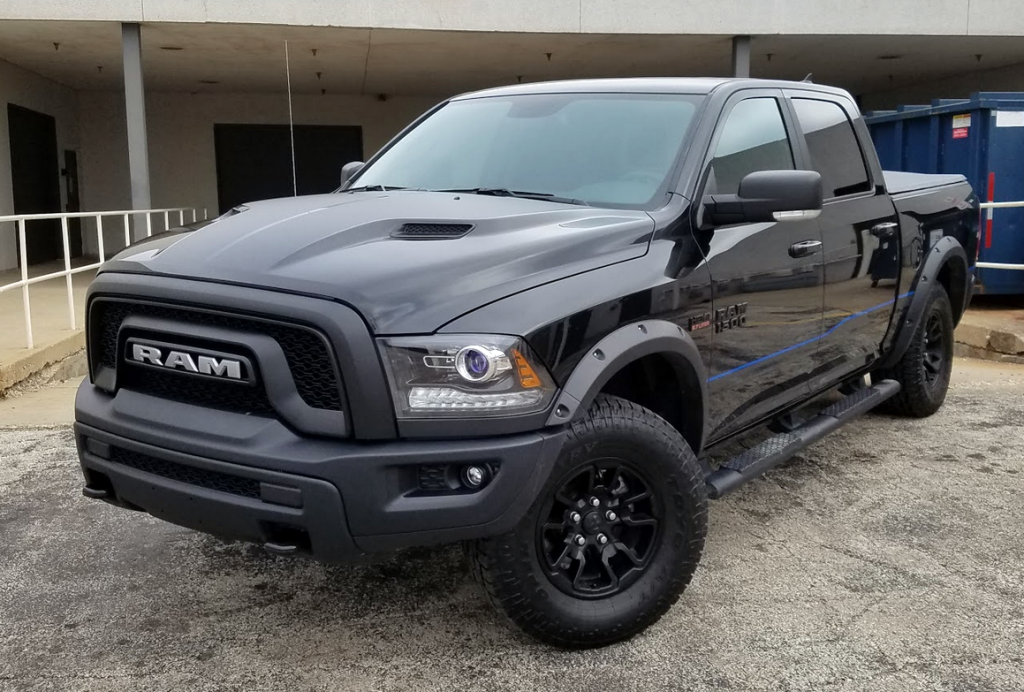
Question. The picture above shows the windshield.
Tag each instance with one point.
(612, 150)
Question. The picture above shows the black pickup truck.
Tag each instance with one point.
(522, 325)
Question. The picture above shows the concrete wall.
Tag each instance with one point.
(29, 90)
(181, 146)
(938, 17)
(1003, 79)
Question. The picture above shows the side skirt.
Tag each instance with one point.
(782, 446)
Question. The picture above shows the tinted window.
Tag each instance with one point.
(604, 149)
(833, 146)
(753, 139)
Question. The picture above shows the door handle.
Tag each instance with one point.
(884, 230)
(804, 248)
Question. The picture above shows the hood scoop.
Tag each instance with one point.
(431, 231)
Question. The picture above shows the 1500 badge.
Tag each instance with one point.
(731, 317)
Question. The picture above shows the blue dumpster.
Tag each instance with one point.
(981, 138)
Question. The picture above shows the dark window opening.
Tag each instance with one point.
(255, 161)
(833, 146)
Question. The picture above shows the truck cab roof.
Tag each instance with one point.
(647, 85)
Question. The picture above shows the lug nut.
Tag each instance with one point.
(594, 502)
(575, 517)
(602, 539)
(580, 540)
(611, 516)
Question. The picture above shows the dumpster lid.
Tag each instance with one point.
(982, 100)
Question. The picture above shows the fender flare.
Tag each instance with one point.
(946, 250)
(618, 349)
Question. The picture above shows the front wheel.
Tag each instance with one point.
(613, 538)
(924, 370)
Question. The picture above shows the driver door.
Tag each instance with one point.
(767, 294)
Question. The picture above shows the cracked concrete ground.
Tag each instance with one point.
(889, 556)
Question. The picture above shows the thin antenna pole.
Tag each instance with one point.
(291, 119)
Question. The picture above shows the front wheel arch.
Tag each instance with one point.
(633, 346)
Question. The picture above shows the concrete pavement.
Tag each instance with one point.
(46, 406)
(886, 557)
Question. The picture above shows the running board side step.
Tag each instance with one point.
(778, 448)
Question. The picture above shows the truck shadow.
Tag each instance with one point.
(403, 599)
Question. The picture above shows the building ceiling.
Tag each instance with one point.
(251, 58)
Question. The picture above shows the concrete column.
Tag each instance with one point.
(740, 56)
(135, 112)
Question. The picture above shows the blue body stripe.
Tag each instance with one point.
(811, 340)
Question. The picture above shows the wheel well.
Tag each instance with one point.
(953, 278)
(668, 386)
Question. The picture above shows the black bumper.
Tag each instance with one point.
(252, 478)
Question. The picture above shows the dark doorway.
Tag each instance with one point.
(35, 181)
(255, 161)
(73, 197)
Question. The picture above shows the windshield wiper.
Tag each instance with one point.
(504, 192)
(375, 188)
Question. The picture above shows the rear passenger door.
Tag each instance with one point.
(860, 236)
(766, 277)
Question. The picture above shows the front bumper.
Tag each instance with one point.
(252, 478)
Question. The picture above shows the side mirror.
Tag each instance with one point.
(766, 196)
(349, 170)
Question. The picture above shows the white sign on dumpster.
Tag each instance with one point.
(1009, 118)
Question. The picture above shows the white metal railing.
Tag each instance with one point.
(67, 272)
(1000, 205)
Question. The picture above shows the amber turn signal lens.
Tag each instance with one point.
(527, 376)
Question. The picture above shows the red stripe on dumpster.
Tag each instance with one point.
(988, 217)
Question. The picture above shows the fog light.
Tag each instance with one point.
(474, 476)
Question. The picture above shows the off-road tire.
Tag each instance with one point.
(509, 567)
(922, 393)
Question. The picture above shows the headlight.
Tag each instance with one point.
(465, 375)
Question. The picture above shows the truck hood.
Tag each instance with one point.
(340, 246)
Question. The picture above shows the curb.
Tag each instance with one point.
(965, 351)
(983, 339)
(38, 360)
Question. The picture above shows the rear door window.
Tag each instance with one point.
(833, 146)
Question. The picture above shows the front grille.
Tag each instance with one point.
(309, 358)
(213, 480)
(174, 386)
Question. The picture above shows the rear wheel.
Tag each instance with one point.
(613, 538)
(924, 370)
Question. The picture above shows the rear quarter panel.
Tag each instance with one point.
(926, 216)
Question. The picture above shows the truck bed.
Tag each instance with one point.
(900, 183)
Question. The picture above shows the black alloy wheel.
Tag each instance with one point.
(598, 533)
(933, 354)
